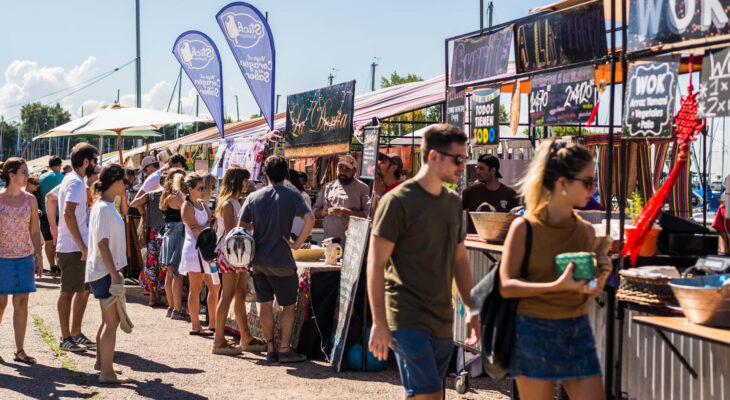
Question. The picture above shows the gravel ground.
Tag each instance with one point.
(167, 363)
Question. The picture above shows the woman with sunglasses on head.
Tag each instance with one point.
(553, 337)
(235, 280)
(196, 218)
(107, 256)
(173, 235)
(20, 240)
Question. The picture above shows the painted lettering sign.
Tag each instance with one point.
(563, 97)
(714, 94)
(649, 107)
(561, 38)
(320, 116)
(655, 22)
(479, 58)
(455, 106)
(485, 116)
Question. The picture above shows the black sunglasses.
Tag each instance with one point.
(589, 183)
(458, 158)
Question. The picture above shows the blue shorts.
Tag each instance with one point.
(17, 275)
(100, 287)
(554, 349)
(423, 360)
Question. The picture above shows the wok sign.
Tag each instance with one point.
(650, 101)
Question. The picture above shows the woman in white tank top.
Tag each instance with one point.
(196, 218)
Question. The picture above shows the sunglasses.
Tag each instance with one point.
(200, 189)
(589, 183)
(458, 158)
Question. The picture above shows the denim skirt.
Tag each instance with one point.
(17, 275)
(554, 349)
(173, 235)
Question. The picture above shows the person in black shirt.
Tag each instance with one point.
(488, 189)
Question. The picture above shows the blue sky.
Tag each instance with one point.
(52, 45)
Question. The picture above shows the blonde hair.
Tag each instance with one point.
(552, 161)
(172, 186)
(232, 186)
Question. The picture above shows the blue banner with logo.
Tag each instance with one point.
(202, 63)
(249, 36)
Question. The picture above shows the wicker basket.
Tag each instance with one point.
(645, 290)
(492, 225)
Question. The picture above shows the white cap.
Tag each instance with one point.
(149, 160)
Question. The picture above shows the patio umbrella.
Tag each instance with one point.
(119, 121)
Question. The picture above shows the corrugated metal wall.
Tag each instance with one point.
(651, 371)
(480, 265)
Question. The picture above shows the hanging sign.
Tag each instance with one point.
(322, 116)
(713, 99)
(649, 104)
(485, 116)
(455, 106)
(561, 38)
(659, 22)
(201, 62)
(249, 37)
(352, 260)
(244, 152)
(480, 58)
(563, 97)
(370, 139)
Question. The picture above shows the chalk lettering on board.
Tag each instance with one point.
(713, 99)
(649, 104)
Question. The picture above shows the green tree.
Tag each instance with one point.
(401, 123)
(37, 118)
(8, 137)
(396, 79)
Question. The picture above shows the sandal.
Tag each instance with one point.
(255, 345)
(229, 348)
(21, 356)
(202, 332)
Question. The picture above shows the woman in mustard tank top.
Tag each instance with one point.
(553, 338)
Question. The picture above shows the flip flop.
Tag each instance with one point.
(202, 332)
(229, 348)
(254, 345)
(26, 359)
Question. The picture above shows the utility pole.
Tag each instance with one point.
(238, 114)
(117, 95)
(277, 104)
(330, 78)
(490, 10)
(197, 97)
(139, 61)
(372, 73)
(179, 92)
(17, 143)
(481, 15)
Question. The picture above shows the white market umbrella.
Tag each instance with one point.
(121, 121)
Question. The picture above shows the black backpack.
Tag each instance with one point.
(497, 316)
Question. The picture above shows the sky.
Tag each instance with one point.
(50, 46)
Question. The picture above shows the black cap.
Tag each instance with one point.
(491, 162)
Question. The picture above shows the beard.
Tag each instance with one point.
(345, 180)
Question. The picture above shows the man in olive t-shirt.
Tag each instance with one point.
(416, 251)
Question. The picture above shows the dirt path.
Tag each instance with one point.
(167, 363)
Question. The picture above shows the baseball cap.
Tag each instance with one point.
(491, 162)
(393, 158)
(149, 160)
(348, 161)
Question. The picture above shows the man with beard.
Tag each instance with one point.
(338, 200)
(488, 189)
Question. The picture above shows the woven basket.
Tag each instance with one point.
(654, 291)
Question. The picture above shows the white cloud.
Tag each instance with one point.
(26, 80)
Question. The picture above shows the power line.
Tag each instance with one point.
(83, 85)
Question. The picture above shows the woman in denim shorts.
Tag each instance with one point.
(20, 239)
(172, 234)
(553, 338)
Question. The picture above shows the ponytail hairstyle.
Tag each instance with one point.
(232, 186)
(109, 175)
(10, 166)
(553, 160)
(190, 182)
(172, 181)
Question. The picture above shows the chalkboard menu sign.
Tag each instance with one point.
(649, 106)
(714, 94)
(370, 139)
(352, 260)
(455, 106)
(653, 23)
(563, 97)
(561, 38)
(480, 58)
(322, 116)
(485, 116)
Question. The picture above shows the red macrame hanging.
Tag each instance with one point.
(686, 128)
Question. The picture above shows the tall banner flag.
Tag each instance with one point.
(249, 36)
(201, 61)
